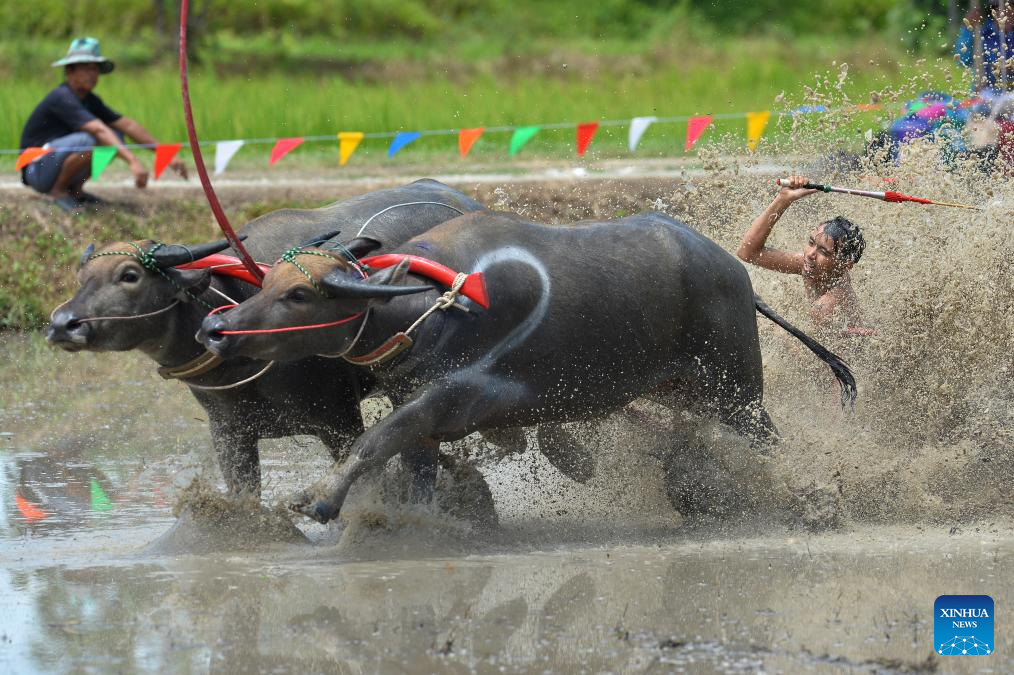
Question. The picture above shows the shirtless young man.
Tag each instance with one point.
(834, 247)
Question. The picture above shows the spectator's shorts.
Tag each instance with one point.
(41, 174)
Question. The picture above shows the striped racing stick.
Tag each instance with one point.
(888, 196)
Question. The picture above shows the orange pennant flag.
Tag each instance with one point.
(467, 138)
(348, 141)
(164, 155)
(29, 156)
(585, 132)
(283, 147)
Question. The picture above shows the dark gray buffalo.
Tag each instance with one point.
(582, 319)
(123, 305)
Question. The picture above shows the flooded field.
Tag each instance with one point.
(98, 575)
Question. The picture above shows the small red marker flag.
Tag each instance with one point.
(164, 154)
(283, 147)
(585, 132)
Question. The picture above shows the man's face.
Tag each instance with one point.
(819, 261)
(83, 76)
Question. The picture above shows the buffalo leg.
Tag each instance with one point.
(436, 412)
(238, 458)
(421, 463)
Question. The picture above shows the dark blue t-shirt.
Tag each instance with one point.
(62, 113)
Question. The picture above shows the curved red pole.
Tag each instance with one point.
(195, 148)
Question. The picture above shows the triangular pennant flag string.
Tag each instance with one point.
(348, 141)
(467, 138)
(521, 136)
(755, 123)
(696, 127)
(164, 155)
(224, 152)
(638, 126)
(283, 146)
(401, 139)
(30, 155)
(101, 156)
(585, 133)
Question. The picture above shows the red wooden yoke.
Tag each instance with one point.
(474, 288)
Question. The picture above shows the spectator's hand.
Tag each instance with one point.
(973, 18)
(795, 190)
(140, 174)
(179, 167)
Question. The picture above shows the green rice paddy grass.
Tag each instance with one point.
(751, 75)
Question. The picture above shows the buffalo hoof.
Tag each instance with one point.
(321, 511)
(314, 509)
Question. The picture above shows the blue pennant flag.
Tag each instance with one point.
(402, 139)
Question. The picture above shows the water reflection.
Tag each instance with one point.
(738, 605)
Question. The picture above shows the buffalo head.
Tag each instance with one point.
(123, 289)
(312, 302)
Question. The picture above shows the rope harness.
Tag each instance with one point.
(394, 345)
(148, 262)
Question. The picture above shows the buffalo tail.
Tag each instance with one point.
(838, 367)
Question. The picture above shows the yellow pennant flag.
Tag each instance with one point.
(348, 141)
(755, 123)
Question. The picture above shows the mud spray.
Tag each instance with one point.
(931, 436)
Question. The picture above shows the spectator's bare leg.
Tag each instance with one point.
(72, 166)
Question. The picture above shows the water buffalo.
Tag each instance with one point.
(581, 320)
(123, 305)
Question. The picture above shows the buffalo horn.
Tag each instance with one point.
(344, 286)
(320, 238)
(176, 254)
(87, 254)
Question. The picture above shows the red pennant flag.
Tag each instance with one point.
(29, 156)
(467, 138)
(696, 127)
(164, 155)
(283, 147)
(585, 131)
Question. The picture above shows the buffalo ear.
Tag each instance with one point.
(378, 287)
(189, 283)
(87, 254)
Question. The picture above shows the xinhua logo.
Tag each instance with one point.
(963, 625)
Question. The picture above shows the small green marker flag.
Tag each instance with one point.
(100, 500)
(101, 156)
(521, 136)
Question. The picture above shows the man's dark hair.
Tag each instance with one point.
(847, 237)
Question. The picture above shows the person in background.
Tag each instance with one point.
(832, 250)
(70, 121)
(997, 42)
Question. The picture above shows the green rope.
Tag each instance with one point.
(290, 257)
(148, 262)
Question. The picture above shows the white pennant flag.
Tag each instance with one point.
(224, 150)
(638, 126)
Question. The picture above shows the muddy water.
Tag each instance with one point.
(96, 450)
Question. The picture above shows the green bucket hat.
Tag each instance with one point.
(86, 50)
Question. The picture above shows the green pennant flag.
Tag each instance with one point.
(100, 500)
(101, 156)
(521, 136)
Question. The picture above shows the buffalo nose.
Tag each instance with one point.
(210, 334)
(67, 329)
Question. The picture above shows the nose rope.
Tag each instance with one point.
(287, 329)
(127, 318)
